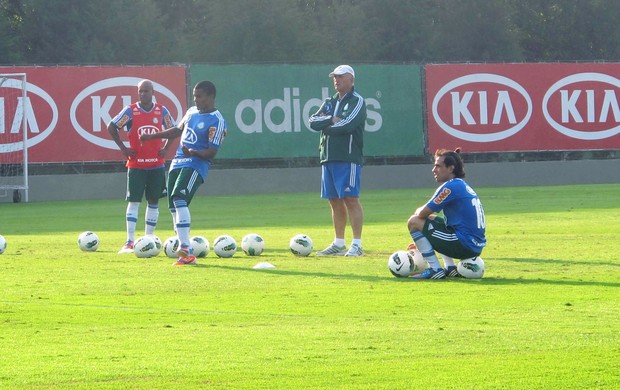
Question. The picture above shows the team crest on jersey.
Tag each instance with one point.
(155, 120)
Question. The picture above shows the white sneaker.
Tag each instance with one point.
(333, 250)
(355, 250)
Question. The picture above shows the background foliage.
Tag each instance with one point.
(223, 31)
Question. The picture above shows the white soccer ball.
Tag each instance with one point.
(418, 261)
(301, 245)
(200, 246)
(171, 246)
(401, 264)
(144, 247)
(88, 241)
(225, 246)
(2, 245)
(158, 244)
(472, 268)
(252, 244)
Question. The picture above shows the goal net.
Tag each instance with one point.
(13, 137)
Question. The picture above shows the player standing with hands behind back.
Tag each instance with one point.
(202, 131)
(341, 120)
(146, 172)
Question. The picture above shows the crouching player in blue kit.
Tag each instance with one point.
(460, 233)
(202, 131)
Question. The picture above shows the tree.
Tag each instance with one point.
(91, 31)
(242, 31)
(399, 33)
(473, 30)
(293, 31)
(568, 30)
(10, 20)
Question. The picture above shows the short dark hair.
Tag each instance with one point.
(207, 86)
(452, 158)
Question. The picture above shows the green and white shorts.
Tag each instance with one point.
(150, 183)
(183, 183)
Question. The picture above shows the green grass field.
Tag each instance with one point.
(545, 316)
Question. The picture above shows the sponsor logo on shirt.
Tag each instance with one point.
(212, 130)
(442, 196)
(123, 121)
(147, 130)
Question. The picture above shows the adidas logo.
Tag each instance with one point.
(430, 226)
(183, 192)
(347, 189)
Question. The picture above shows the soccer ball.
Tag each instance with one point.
(472, 268)
(252, 244)
(171, 246)
(406, 263)
(145, 247)
(88, 241)
(401, 264)
(158, 245)
(200, 246)
(2, 245)
(418, 261)
(225, 246)
(301, 245)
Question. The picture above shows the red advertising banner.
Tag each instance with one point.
(70, 107)
(523, 107)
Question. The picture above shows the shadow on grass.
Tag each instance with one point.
(367, 278)
(503, 281)
(556, 261)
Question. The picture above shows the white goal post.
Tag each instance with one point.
(13, 136)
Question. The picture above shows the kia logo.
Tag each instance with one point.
(583, 99)
(112, 83)
(35, 134)
(474, 102)
(147, 130)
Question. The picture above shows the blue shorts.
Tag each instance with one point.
(340, 179)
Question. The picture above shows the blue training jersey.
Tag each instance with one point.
(200, 131)
(462, 211)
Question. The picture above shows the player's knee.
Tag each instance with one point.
(414, 223)
(352, 202)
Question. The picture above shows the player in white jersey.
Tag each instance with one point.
(202, 131)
